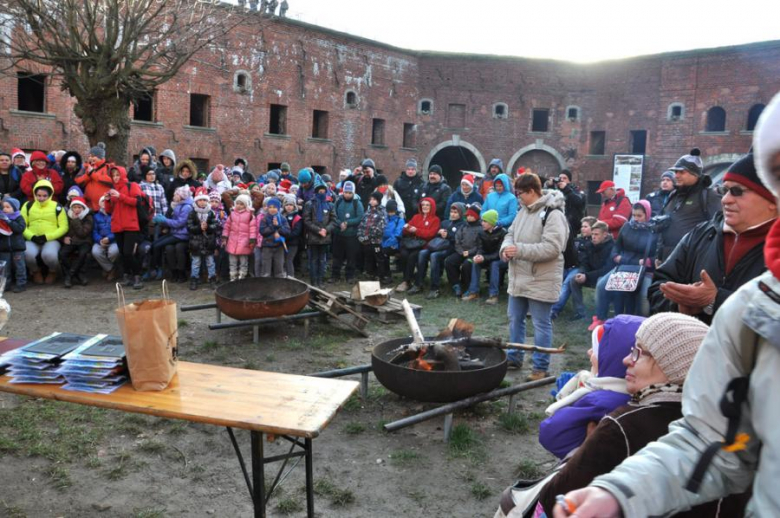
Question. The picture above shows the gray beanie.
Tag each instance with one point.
(690, 162)
(98, 151)
(368, 163)
(673, 340)
(412, 162)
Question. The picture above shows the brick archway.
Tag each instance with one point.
(455, 143)
(547, 160)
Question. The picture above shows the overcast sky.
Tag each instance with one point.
(573, 30)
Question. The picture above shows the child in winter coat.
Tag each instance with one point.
(12, 243)
(78, 240)
(445, 246)
(370, 233)
(320, 223)
(175, 244)
(423, 227)
(274, 229)
(221, 256)
(104, 250)
(489, 244)
(349, 213)
(203, 229)
(240, 231)
(391, 241)
(459, 263)
(295, 222)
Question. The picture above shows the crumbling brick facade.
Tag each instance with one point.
(306, 68)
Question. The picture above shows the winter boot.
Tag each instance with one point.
(137, 284)
(193, 283)
(67, 280)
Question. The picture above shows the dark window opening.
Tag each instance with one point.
(410, 135)
(199, 110)
(202, 164)
(242, 82)
(320, 169)
(274, 165)
(677, 112)
(594, 198)
(143, 108)
(319, 128)
(541, 120)
(378, 132)
(351, 99)
(716, 119)
(753, 115)
(500, 111)
(456, 116)
(598, 141)
(31, 89)
(277, 124)
(572, 114)
(638, 142)
(426, 107)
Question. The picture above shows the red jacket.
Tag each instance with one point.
(427, 226)
(95, 182)
(615, 212)
(124, 216)
(32, 176)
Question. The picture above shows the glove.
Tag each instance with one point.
(159, 218)
(252, 242)
(38, 240)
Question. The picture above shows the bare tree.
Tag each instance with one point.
(109, 53)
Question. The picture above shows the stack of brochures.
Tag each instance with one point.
(38, 362)
(96, 366)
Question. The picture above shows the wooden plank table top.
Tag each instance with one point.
(268, 402)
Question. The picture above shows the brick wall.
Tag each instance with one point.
(310, 68)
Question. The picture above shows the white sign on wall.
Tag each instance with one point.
(627, 175)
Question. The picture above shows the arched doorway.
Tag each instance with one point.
(452, 160)
(540, 161)
(716, 166)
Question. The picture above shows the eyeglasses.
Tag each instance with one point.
(636, 353)
(735, 190)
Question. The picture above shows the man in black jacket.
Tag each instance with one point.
(720, 255)
(438, 189)
(575, 211)
(659, 198)
(409, 186)
(689, 204)
(366, 182)
(595, 260)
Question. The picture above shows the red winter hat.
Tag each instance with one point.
(16, 152)
(38, 155)
(606, 184)
(78, 200)
(469, 179)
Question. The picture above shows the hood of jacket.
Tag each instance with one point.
(66, 156)
(170, 154)
(504, 179)
(433, 206)
(497, 162)
(616, 343)
(122, 174)
(47, 184)
(552, 199)
(188, 164)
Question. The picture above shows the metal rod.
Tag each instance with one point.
(197, 307)
(286, 459)
(258, 473)
(264, 321)
(360, 369)
(241, 462)
(219, 316)
(283, 456)
(256, 335)
(447, 427)
(511, 409)
(306, 328)
(364, 385)
(463, 403)
(309, 479)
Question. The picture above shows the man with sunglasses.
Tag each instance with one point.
(719, 255)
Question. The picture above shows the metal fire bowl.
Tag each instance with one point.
(438, 386)
(261, 297)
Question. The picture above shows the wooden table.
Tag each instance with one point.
(295, 408)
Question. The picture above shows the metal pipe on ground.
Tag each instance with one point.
(464, 403)
(197, 307)
(265, 321)
(363, 370)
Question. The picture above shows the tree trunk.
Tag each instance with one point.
(107, 120)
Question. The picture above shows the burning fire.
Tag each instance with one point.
(421, 364)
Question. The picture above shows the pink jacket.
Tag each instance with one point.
(240, 227)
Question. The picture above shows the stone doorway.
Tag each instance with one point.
(452, 160)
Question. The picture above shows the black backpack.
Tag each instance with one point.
(144, 210)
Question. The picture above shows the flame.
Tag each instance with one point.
(421, 364)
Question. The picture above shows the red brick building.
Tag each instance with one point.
(307, 95)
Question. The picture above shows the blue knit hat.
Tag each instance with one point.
(274, 202)
(304, 176)
(13, 201)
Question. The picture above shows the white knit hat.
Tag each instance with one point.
(245, 199)
(184, 192)
(766, 144)
(673, 340)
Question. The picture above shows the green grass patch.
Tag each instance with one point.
(210, 345)
(405, 458)
(59, 476)
(466, 443)
(528, 470)
(152, 447)
(182, 323)
(354, 428)
(12, 511)
(514, 423)
(353, 404)
(338, 496)
(480, 491)
(270, 358)
(289, 505)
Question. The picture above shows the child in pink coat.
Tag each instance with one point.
(240, 231)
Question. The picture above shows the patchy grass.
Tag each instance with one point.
(380, 425)
(12, 511)
(289, 505)
(120, 466)
(182, 323)
(152, 447)
(354, 428)
(59, 476)
(480, 491)
(514, 423)
(210, 345)
(353, 404)
(465, 443)
(338, 496)
(528, 470)
(405, 458)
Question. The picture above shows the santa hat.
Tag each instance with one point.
(284, 186)
(201, 194)
(15, 152)
(468, 179)
(78, 200)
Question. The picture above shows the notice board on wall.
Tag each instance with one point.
(627, 175)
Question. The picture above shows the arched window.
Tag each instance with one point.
(753, 114)
(500, 111)
(242, 81)
(351, 99)
(573, 113)
(716, 119)
(675, 112)
(425, 107)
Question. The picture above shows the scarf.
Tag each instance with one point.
(321, 203)
(13, 215)
(203, 214)
(665, 393)
(772, 249)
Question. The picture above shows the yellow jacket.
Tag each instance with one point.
(48, 219)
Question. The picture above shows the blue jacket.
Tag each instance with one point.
(350, 211)
(178, 220)
(505, 203)
(267, 229)
(101, 227)
(567, 428)
(457, 196)
(295, 222)
(393, 229)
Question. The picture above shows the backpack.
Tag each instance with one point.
(144, 210)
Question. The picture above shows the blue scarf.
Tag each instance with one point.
(321, 200)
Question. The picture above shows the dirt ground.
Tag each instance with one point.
(59, 459)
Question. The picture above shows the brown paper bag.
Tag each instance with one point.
(150, 334)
